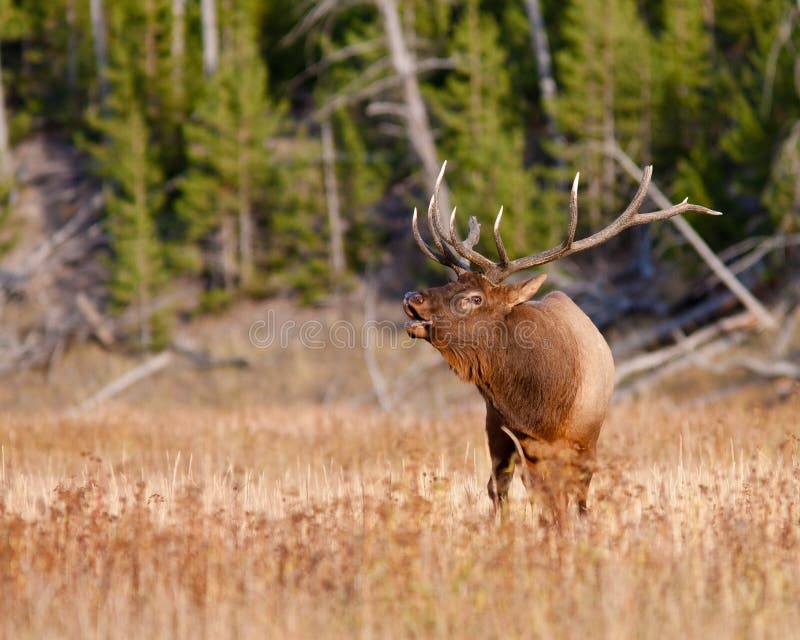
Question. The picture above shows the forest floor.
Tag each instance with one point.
(278, 501)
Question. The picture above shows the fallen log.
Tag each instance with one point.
(653, 377)
(747, 299)
(146, 369)
(685, 346)
(98, 324)
(150, 367)
(711, 308)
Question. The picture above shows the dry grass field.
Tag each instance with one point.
(309, 522)
(170, 513)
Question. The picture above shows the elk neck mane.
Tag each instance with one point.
(532, 379)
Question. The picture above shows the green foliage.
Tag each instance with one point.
(215, 300)
(361, 180)
(8, 232)
(232, 177)
(297, 256)
(606, 74)
(483, 136)
(133, 186)
(683, 71)
(132, 196)
(56, 60)
(221, 175)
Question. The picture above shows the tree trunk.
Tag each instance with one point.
(644, 253)
(100, 50)
(416, 116)
(541, 50)
(178, 44)
(609, 136)
(177, 52)
(335, 225)
(72, 54)
(747, 299)
(150, 55)
(227, 252)
(5, 149)
(210, 36)
(246, 233)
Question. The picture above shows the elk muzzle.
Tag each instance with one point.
(416, 308)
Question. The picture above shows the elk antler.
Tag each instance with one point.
(459, 255)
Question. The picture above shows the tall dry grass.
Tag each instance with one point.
(338, 522)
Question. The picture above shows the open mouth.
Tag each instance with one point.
(417, 327)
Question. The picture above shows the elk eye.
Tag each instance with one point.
(476, 300)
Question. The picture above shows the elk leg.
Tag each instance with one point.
(586, 465)
(503, 455)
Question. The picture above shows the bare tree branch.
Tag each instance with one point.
(747, 299)
(420, 134)
(386, 108)
(685, 346)
(784, 33)
(148, 368)
(36, 259)
(379, 385)
(319, 11)
(338, 55)
(335, 224)
(344, 98)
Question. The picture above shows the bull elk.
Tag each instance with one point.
(545, 372)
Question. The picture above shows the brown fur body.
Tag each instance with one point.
(543, 369)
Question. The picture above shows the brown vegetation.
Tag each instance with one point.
(310, 522)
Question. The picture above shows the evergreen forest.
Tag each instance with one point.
(277, 147)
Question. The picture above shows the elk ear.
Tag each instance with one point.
(520, 292)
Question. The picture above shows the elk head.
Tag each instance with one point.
(466, 309)
(448, 315)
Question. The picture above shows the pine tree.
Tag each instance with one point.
(232, 181)
(683, 73)
(748, 142)
(362, 177)
(483, 137)
(133, 187)
(14, 22)
(605, 74)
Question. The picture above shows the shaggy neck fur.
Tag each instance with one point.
(531, 378)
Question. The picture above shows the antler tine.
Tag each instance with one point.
(466, 250)
(426, 249)
(451, 250)
(573, 212)
(641, 193)
(682, 207)
(555, 253)
(450, 257)
(498, 241)
(460, 255)
(474, 233)
(630, 217)
(434, 221)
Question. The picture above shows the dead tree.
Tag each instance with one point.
(335, 224)
(541, 49)
(747, 299)
(5, 149)
(100, 48)
(178, 43)
(210, 36)
(399, 69)
(415, 112)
